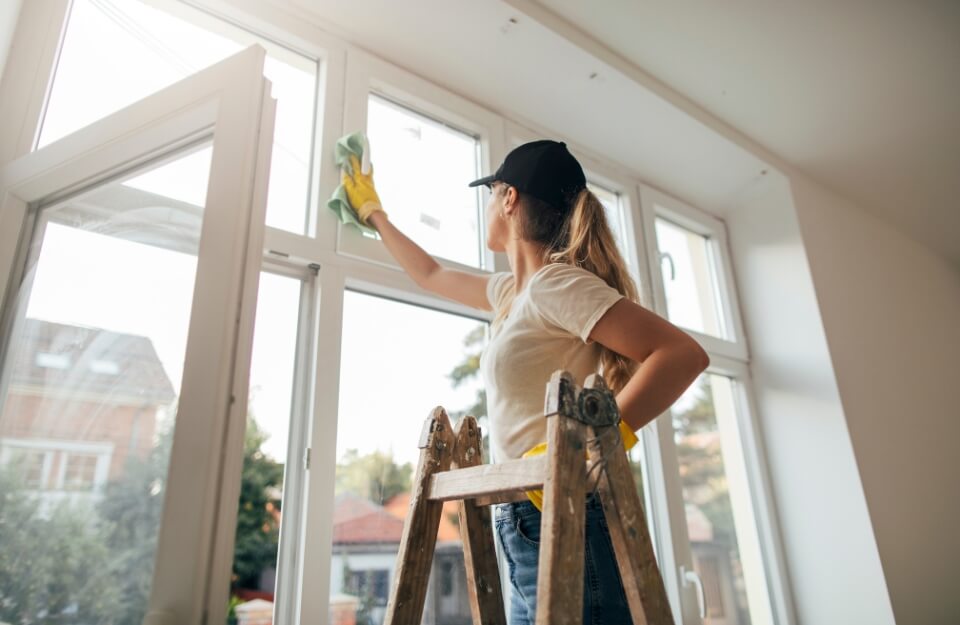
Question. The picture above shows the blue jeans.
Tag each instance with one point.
(518, 528)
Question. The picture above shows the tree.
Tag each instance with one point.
(94, 563)
(130, 514)
(51, 563)
(374, 476)
(701, 465)
(467, 370)
(258, 530)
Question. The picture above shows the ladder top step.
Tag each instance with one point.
(488, 479)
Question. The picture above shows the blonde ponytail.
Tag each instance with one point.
(590, 244)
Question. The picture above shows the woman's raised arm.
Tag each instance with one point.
(459, 286)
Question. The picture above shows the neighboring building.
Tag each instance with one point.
(366, 539)
(77, 403)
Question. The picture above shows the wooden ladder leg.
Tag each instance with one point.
(629, 534)
(476, 533)
(415, 557)
(560, 575)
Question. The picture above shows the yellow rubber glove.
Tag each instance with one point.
(536, 496)
(361, 192)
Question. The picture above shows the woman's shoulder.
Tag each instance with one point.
(557, 274)
(497, 286)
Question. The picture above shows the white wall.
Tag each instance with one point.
(9, 11)
(831, 556)
(891, 315)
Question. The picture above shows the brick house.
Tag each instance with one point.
(77, 403)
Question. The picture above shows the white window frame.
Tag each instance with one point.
(658, 204)
(102, 451)
(365, 75)
(230, 104)
(42, 446)
(334, 267)
(727, 358)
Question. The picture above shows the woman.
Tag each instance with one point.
(567, 303)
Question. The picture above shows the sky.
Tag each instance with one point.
(395, 357)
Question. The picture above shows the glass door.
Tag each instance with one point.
(129, 265)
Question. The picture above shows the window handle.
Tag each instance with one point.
(691, 577)
(673, 270)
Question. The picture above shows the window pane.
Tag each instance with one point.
(422, 169)
(719, 510)
(88, 400)
(390, 381)
(689, 279)
(115, 53)
(266, 439)
(611, 209)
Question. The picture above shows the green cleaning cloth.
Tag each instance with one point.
(351, 144)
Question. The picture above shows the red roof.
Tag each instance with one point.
(399, 506)
(357, 520)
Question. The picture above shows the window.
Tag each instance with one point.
(79, 472)
(111, 283)
(446, 578)
(392, 374)
(95, 260)
(427, 145)
(260, 509)
(27, 465)
(106, 367)
(422, 168)
(688, 267)
(721, 522)
(53, 361)
(612, 211)
(370, 585)
(115, 53)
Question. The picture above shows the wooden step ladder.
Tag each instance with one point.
(450, 467)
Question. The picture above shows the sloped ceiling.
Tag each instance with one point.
(862, 96)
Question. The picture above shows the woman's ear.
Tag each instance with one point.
(510, 197)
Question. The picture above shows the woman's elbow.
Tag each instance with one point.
(699, 356)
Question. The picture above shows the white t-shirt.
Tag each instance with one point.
(547, 329)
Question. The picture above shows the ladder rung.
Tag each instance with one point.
(489, 479)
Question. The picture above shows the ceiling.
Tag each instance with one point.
(863, 96)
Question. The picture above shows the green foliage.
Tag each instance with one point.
(258, 532)
(97, 562)
(51, 562)
(702, 473)
(374, 476)
(367, 601)
(130, 512)
(468, 369)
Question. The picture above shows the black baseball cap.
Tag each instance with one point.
(545, 169)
